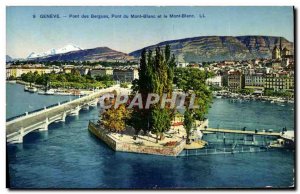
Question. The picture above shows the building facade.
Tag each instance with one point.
(125, 75)
(215, 81)
(101, 72)
(255, 82)
(235, 81)
(18, 71)
(279, 82)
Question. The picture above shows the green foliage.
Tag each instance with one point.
(104, 78)
(269, 92)
(188, 124)
(114, 119)
(156, 75)
(246, 91)
(65, 80)
(124, 85)
(160, 120)
(215, 88)
(11, 77)
(193, 79)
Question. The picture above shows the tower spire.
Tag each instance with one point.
(280, 46)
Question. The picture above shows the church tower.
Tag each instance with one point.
(276, 53)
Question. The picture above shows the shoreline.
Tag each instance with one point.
(56, 92)
(241, 97)
(173, 143)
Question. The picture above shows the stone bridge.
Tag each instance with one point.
(19, 126)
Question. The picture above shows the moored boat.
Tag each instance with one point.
(30, 89)
(50, 92)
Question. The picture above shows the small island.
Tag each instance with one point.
(155, 118)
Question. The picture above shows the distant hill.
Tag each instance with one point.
(94, 54)
(220, 48)
(8, 58)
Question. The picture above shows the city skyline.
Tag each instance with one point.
(45, 34)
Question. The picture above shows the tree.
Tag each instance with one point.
(156, 74)
(114, 119)
(188, 123)
(104, 78)
(191, 79)
(246, 91)
(160, 122)
(124, 85)
(30, 78)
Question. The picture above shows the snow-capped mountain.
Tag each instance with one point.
(66, 49)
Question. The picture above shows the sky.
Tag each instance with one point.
(26, 34)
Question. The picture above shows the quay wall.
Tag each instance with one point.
(102, 134)
(129, 147)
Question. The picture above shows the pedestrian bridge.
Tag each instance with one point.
(245, 132)
(19, 126)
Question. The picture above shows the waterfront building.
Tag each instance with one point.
(17, 71)
(235, 81)
(279, 82)
(214, 81)
(101, 72)
(255, 82)
(125, 75)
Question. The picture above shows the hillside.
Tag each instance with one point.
(219, 48)
(94, 54)
(8, 58)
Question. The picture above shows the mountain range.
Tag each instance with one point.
(8, 58)
(195, 49)
(66, 49)
(220, 48)
(94, 54)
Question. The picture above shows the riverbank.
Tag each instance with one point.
(39, 89)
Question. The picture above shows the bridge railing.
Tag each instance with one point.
(37, 110)
(15, 117)
(50, 106)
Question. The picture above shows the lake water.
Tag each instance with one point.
(68, 156)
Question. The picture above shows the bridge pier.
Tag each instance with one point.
(45, 126)
(21, 135)
(75, 112)
(63, 117)
(253, 139)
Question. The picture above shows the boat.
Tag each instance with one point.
(41, 92)
(279, 143)
(63, 93)
(286, 140)
(30, 89)
(50, 92)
